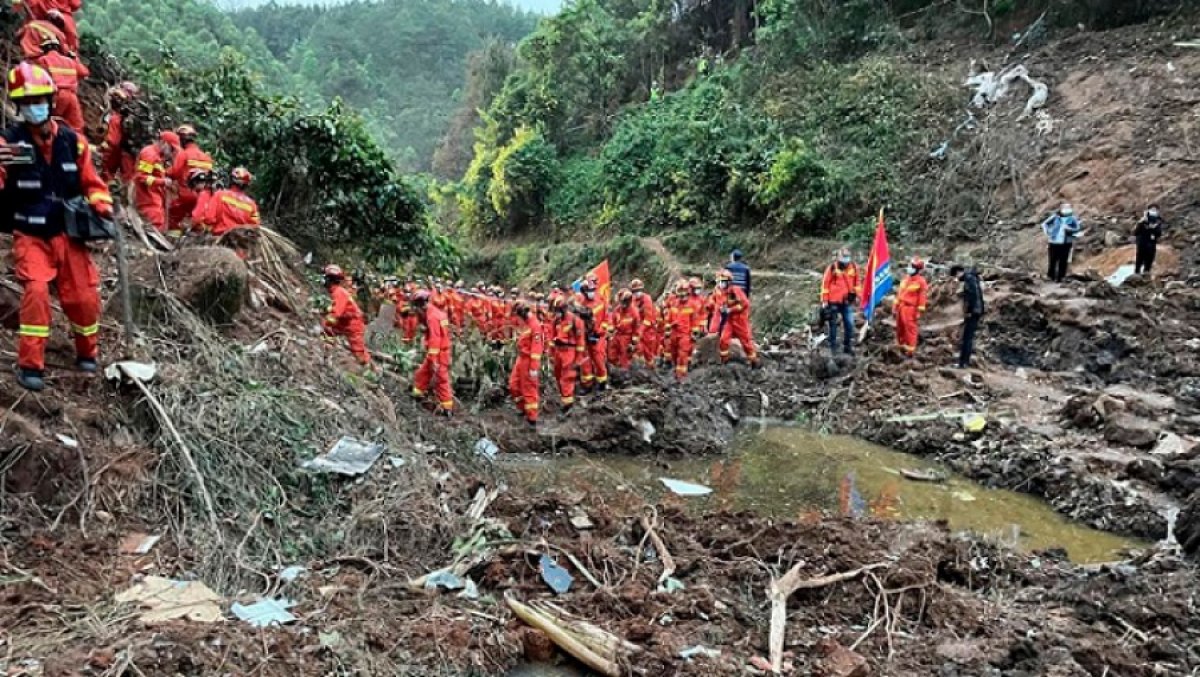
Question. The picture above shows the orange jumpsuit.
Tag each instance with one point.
(684, 316)
(228, 209)
(40, 10)
(187, 160)
(66, 72)
(407, 318)
(626, 321)
(570, 349)
(345, 319)
(910, 303)
(523, 383)
(41, 251)
(477, 308)
(649, 333)
(737, 323)
(150, 188)
(436, 365)
(33, 34)
(116, 162)
(594, 369)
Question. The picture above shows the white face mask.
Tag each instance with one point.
(911, 270)
(1153, 213)
(1067, 212)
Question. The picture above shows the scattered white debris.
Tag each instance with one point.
(347, 457)
(685, 488)
(129, 370)
(166, 599)
(68, 442)
(265, 612)
(486, 448)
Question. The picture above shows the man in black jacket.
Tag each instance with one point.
(1148, 231)
(973, 307)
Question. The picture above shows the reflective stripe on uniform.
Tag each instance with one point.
(237, 204)
(89, 330)
(34, 330)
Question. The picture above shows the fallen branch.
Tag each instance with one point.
(783, 587)
(161, 414)
(661, 548)
(564, 639)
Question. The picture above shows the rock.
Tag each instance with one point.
(1132, 431)
(1187, 529)
(1171, 445)
(10, 305)
(212, 281)
(838, 661)
(1144, 402)
(1146, 470)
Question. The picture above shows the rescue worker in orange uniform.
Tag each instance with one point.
(839, 296)
(731, 316)
(117, 156)
(478, 307)
(684, 325)
(435, 368)
(910, 304)
(42, 164)
(408, 318)
(66, 71)
(626, 324)
(152, 185)
(648, 335)
(61, 13)
(570, 349)
(344, 317)
(593, 310)
(34, 34)
(524, 382)
(189, 161)
(232, 207)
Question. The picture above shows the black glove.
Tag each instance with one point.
(852, 299)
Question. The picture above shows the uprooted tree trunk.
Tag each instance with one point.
(783, 587)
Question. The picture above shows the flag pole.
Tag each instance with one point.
(866, 328)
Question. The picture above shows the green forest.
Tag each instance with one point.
(700, 121)
(400, 63)
(707, 118)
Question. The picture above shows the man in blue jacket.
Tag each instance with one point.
(1061, 229)
(739, 270)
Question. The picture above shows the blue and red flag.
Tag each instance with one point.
(879, 271)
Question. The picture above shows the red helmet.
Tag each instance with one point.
(170, 138)
(186, 132)
(28, 80)
(241, 176)
(696, 283)
(637, 285)
(558, 302)
(49, 40)
(334, 271)
(421, 296)
(917, 263)
(624, 296)
(724, 276)
(681, 287)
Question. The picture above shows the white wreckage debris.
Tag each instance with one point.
(991, 87)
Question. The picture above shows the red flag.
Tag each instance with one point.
(878, 280)
(603, 281)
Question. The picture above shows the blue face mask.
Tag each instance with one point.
(845, 260)
(35, 114)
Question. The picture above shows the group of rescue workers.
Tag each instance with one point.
(46, 164)
(574, 331)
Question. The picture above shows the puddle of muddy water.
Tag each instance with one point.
(789, 472)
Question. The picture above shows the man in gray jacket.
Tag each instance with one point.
(1061, 229)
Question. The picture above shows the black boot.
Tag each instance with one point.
(31, 379)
